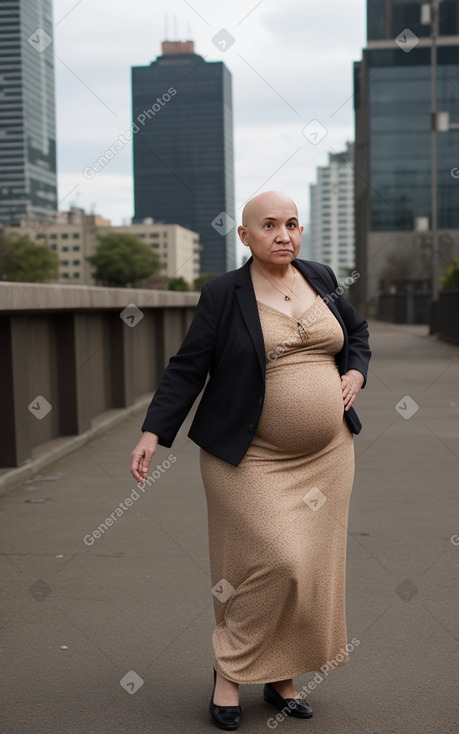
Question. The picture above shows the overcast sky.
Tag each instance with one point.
(291, 62)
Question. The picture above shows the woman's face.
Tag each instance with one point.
(272, 232)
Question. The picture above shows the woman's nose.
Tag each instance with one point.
(283, 235)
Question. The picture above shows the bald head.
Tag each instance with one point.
(268, 204)
(271, 229)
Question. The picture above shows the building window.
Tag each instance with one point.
(76, 262)
(76, 248)
(64, 236)
(65, 249)
(76, 236)
(53, 236)
(76, 275)
(65, 275)
(64, 262)
(53, 247)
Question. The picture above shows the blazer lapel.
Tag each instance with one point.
(245, 295)
(317, 282)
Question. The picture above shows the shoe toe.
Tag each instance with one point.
(297, 707)
(226, 717)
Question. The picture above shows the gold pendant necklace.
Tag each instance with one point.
(286, 297)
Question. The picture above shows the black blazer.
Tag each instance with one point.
(225, 340)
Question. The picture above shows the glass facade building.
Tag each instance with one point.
(28, 185)
(392, 99)
(387, 18)
(183, 149)
(399, 142)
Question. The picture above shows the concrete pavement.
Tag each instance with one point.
(83, 609)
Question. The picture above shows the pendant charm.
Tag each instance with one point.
(287, 298)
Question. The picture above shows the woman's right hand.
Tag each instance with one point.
(142, 455)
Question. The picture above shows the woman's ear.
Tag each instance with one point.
(243, 236)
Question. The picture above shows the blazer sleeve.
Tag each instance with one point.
(185, 374)
(357, 330)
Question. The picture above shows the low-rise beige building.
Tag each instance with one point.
(74, 236)
(177, 247)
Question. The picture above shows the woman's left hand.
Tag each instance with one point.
(351, 382)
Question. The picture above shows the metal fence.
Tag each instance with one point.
(448, 316)
(410, 307)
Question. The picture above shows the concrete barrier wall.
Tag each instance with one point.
(67, 356)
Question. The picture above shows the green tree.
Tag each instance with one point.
(177, 284)
(450, 278)
(201, 279)
(22, 261)
(122, 260)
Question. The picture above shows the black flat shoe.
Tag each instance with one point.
(225, 717)
(289, 706)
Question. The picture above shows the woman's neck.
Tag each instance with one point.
(281, 271)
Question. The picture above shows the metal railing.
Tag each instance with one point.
(410, 307)
(447, 321)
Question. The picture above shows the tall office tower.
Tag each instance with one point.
(331, 236)
(183, 149)
(392, 89)
(27, 111)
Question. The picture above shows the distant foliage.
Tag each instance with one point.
(122, 260)
(22, 261)
(177, 284)
(450, 279)
(201, 279)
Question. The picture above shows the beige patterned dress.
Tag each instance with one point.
(278, 520)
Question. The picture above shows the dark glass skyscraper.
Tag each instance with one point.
(183, 149)
(393, 138)
(27, 111)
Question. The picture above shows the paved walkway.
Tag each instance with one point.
(133, 603)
